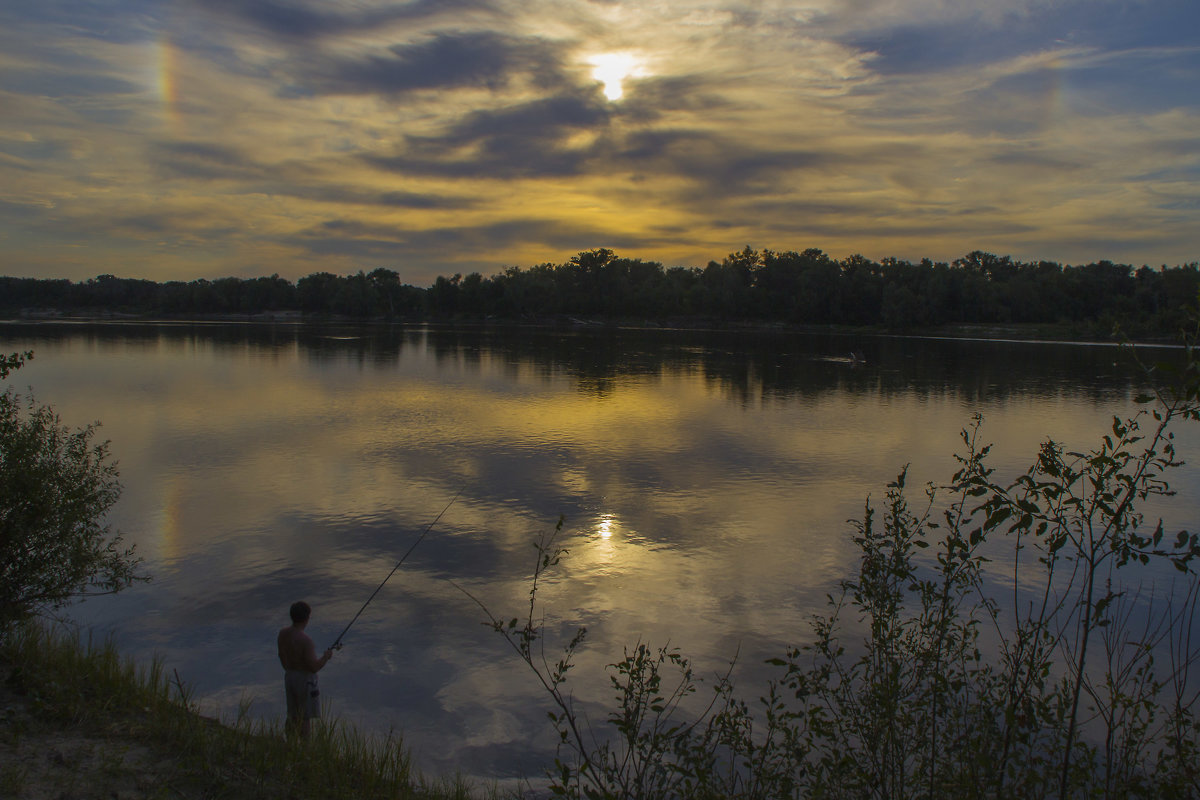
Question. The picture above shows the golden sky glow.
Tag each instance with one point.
(203, 138)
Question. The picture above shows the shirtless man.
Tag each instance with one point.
(298, 655)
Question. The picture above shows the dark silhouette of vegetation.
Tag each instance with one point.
(56, 486)
(758, 286)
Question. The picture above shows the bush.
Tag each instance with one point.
(56, 486)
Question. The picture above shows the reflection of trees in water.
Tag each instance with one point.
(751, 366)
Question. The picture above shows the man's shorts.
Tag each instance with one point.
(303, 696)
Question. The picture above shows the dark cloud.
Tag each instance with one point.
(1037, 161)
(724, 165)
(423, 201)
(1142, 82)
(517, 232)
(353, 227)
(42, 83)
(544, 120)
(1187, 169)
(350, 238)
(535, 140)
(419, 201)
(198, 160)
(21, 212)
(909, 227)
(26, 151)
(1182, 204)
(784, 219)
(946, 43)
(132, 22)
(86, 224)
(316, 20)
(646, 99)
(806, 209)
(929, 50)
(526, 140)
(373, 249)
(481, 59)
(147, 223)
(206, 161)
(503, 161)
(346, 237)
(295, 180)
(1162, 23)
(1122, 248)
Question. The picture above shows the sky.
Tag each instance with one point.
(185, 139)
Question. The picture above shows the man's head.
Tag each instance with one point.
(300, 612)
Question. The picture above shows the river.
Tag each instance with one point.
(705, 479)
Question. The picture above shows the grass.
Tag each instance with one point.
(114, 728)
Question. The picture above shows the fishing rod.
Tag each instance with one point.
(337, 643)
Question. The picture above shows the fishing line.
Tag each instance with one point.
(337, 643)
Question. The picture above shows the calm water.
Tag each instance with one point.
(706, 480)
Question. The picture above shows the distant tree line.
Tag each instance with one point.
(805, 288)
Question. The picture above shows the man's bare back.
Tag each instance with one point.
(297, 651)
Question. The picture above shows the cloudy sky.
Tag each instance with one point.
(179, 139)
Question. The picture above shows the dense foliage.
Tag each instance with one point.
(806, 288)
(56, 486)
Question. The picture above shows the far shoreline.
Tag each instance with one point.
(1018, 333)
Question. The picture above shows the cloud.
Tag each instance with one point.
(193, 160)
(576, 134)
(65, 84)
(446, 60)
(333, 194)
(223, 135)
(302, 20)
(345, 236)
(525, 140)
(650, 99)
(23, 212)
(170, 223)
(721, 162)
(1032, 161)
(26, 153)
(202, 161)
(127, 22)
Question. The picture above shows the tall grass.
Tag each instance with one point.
(85, 685)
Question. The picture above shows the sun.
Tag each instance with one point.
(612, 69)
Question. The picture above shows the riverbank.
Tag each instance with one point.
(1083, 333)
(78, 721)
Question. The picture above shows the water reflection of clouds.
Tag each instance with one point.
(706, 504)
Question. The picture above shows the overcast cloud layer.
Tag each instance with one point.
(204, 138)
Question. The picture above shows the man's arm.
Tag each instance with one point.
(310, 655)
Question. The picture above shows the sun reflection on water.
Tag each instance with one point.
(605, 527)
(603, 544)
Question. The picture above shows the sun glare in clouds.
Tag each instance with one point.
(612, 69)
